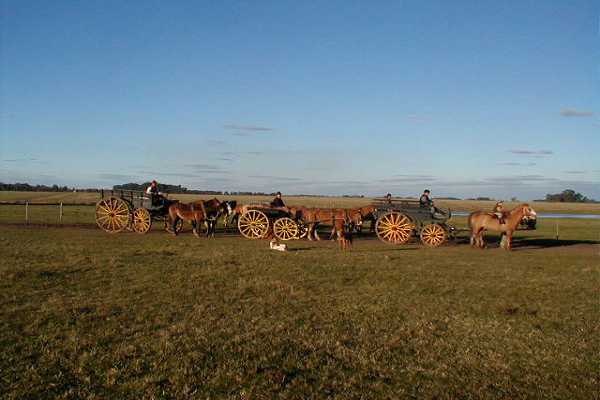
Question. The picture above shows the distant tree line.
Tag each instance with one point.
(178, 189)
(26, 187)
(568, 196)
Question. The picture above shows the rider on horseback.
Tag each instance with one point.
(499, 211)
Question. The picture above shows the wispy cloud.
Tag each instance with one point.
(171, 174)
(275, 178)
(203, 167)
(417, 118)
(569, 112)
(19, 159)
(216, 142)
(575, 172)
(517, 164)
(407, 178)
(247, 130)
(117, 177)
(532, 152)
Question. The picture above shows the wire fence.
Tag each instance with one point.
(46, 213)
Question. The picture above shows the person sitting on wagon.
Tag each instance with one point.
(425, 200)
(277, 201)
(156, 197)
(499, 211)
(388, 198)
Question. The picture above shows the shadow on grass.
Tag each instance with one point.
(547, 243)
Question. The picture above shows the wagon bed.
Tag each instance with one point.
(398, 220)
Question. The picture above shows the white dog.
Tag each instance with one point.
(276, 246)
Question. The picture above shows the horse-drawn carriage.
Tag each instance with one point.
(397, 220)
(119, 210)
(257, 220)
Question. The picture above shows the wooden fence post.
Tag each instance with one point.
(60, 213)
(27, 212)
(556, 230)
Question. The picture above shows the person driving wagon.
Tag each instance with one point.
(156, 197)
(277, 201)
(425, 200)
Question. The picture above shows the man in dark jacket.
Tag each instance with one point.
(277, 202)
(425, 201)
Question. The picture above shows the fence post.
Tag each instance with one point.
(26, 212)
(60, 213)
(556, 230)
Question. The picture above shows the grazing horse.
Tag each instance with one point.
(338, 217)
(480, 221)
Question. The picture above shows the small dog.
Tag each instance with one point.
(277, 246)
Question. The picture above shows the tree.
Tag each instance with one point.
(568, 196)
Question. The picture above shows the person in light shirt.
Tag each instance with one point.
(155, 195)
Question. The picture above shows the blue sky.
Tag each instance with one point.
(469, 99)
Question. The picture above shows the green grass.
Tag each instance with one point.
(85, 314)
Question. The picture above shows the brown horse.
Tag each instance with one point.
(197, 213)
(480, 221)
(356, 218)
(337, 217)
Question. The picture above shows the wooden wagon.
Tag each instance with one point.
(398, 220)
(119, 210)
(256, 221)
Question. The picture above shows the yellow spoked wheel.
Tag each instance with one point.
(253, 224)
(112, 214)
(394, 228)
(141, 220)
(433, 235)
(285, 229)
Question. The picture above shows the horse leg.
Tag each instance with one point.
(480, 240)
(508, 245)
(474, 239)
(341, 240)
(315, 233)
(332, 234)
(195, 227)
(173, 220)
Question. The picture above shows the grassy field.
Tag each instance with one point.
(85, 314)
(456, 205)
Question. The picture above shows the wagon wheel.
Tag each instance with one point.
(285, 229)
(112, 214)
(433, 235)
(394, 228)
(142, 221)
(178, 225)
(253, 224)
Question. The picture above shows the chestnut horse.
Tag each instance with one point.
(480, 221)
(338, 217)
(197, 213)
(357, 217)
